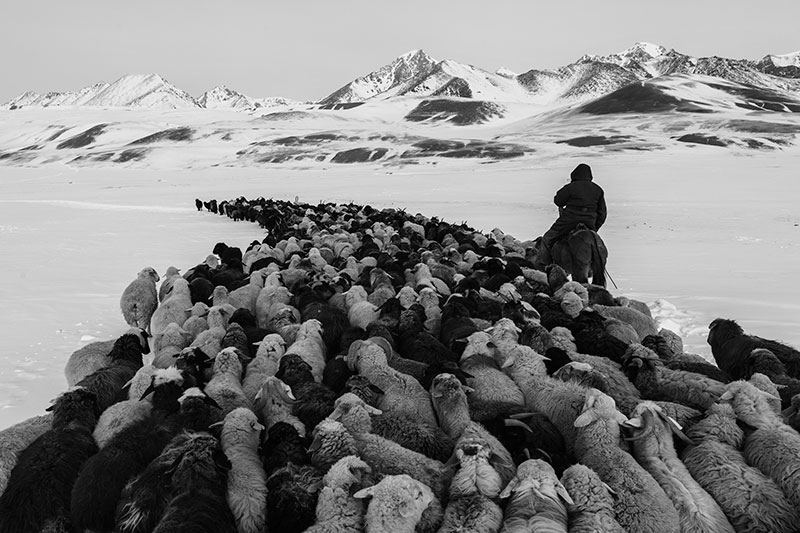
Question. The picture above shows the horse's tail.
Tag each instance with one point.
(598, 263)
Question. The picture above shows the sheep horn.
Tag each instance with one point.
(518, 416)
(511, 422)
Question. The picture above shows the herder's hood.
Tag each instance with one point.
(581, 173)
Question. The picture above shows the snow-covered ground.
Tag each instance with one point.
(699, 234)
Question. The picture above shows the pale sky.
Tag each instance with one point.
(306, 50)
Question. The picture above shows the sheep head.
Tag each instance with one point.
(638, 358)
(140, 381)
(354, 413)
(649, 420)
(293, 370)
(720, 425)
(166, 385)
(228, 362)
(275, 392)
(331, 442)
(476, 474)
(363, 354)
(272, 346)
(721, 330)
(479, 343)
(76, 405)
(241, 428)
(347, 473)
(537, 477)
(150, 273)
(750, 404)
(583, 374)
(396, 504)
(599, 406)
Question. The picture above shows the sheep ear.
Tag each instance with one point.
(585, 419)
(633, 423)
(373, 410)
(211, 401)
(149, 390)
(499, 462)
(727, 396)
(676, 429)
(316, 444)
(364, 493)
(509, 488)
(508, 362)
(562, 491)
(468, 389)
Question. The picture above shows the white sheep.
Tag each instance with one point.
(338, 511)
(175, 308)
(474, 490)
(94, 356)
(225, 386)
(773, 447)
(266, 363)
(407, 296)
(247, 481)
(197, 320)
(641, 504)
(538, 499)
(750, 499)
(402, 393)
(652, 432)
(310, 346)
(592, 507)
(210, 340)
(396, 504)
(245, 297)
(140, 299)
(643, 324)
(170, 276)
(16, 438)
(168, 345)
(269, 300)
(273, 403)
(360, 312)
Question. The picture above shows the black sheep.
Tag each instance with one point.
(730, 347)
(315, 401)
(588, 328)
(37, 497)
(292, 493)
(199, 503)
(126, 358)
(99, 485)
(283, 446)
(417, 344)
(688, 362)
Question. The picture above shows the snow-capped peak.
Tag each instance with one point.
(786, 60)
(506, 72)
(640, 48)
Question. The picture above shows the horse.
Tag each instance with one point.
(582, 253)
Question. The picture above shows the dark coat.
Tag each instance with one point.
(579, 201)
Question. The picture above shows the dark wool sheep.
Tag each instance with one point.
(37, 497)
(126, 358)
(591, 337)
(687, 362)
(99, 485)
(731, 347)
(292, 498)
(199, 503)
(283, 446)
(314, 400)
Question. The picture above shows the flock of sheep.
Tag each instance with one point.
(370, 370)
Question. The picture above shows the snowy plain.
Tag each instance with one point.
(697, 232)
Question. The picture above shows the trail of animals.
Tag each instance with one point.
(364, 369)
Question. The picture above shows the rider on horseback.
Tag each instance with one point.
(579, 201)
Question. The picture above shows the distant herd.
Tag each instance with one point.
(365, 369)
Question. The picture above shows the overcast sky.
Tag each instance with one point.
(306, 50)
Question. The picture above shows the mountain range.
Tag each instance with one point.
(417, 74)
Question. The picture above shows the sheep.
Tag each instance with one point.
(126, 360)
(773, 446)
(450, 402)
(791, 415)
(270, 350)
(657, 382)
(225, 386)
(145, 497)
(37, 496)
(175, 308)
(651, 435)
(101, 480)
(197, 410)
(269, 301)
(310, 347)
(16, 438)
(592, 507)
(292, 495)
(122, 414)
(473, 491)
(313, 401)
(360, 311)
(169, 344)
(683, 361)
(359, 417)
(763, 383)
(641, 504)
(247, 482)
(140, 299)
(643, 324)
(731, 347)
(273, 404)
(198, 501)
(245, 297)
(401, 392)
(197, 321)
(337, 510)
(538, 499)
(210, 340)
(282, 446)
(94, 356)
(170, 276)
(750, 499)
(493, 392)
(397, 503)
